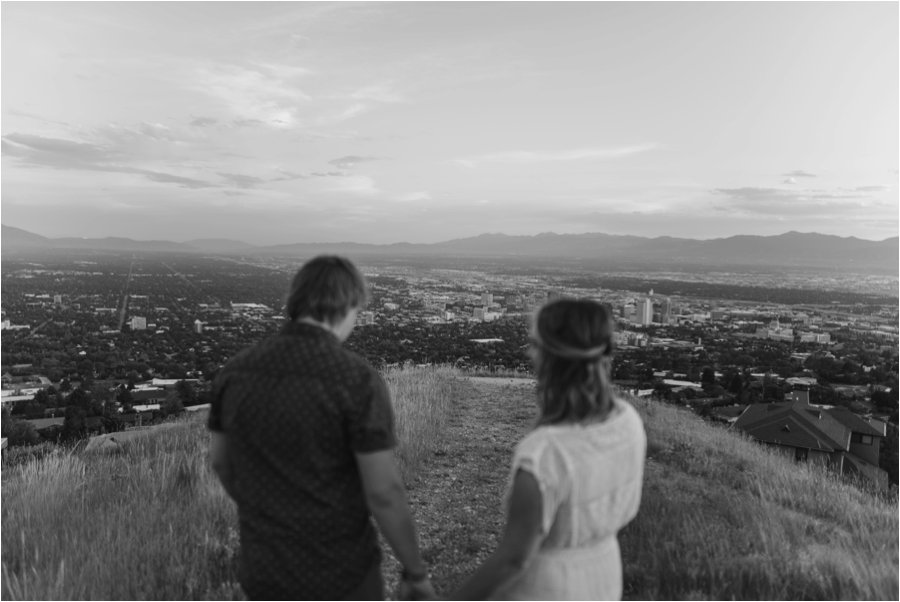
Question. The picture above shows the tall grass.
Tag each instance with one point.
(150, 521)
(724, 518)
(721, 517)
(423, 400)
(147, 522)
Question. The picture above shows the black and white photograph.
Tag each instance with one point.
(467, 300)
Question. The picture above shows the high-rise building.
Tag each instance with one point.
(665, 311)
(479, 313)
(646, 311)
(138, 323)
(487, 299)
(198, 327)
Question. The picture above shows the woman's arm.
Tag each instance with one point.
(521, 540)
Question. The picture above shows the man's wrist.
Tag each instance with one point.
(416, 576)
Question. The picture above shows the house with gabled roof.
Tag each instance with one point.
(834, 436)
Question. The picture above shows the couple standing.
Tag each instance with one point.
(303, 438)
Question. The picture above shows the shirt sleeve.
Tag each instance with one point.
(214, 422)
(538, 456)
(371, 424)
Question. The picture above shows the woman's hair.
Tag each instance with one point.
(573, 340)
(325, 289)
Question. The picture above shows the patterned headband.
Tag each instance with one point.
(573, 353)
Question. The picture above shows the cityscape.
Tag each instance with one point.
(143, 335)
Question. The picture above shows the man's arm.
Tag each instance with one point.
(521, 540)
(386, 497)
(221, 463)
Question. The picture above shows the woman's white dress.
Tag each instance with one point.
(590, 477)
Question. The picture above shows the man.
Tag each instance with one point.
(302, 438)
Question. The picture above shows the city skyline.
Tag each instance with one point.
(423, 122)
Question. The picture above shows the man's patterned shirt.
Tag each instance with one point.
(294, 410)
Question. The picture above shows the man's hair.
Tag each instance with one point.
(325, 289)
(573, 341)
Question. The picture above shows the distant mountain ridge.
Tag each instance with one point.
(792, 249)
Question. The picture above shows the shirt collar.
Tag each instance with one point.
(306, 329)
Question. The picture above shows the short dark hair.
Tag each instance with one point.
(325, 289)
(573, 339)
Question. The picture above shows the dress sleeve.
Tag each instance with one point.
(371, 423)
(537, 455)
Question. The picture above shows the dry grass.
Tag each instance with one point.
(721, 517)
(147, 522)
(423, 399)
(724, 518)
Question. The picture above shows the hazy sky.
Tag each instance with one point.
(423, 121)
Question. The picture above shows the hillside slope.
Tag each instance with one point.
(721, 518)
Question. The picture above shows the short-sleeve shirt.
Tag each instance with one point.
(294, 410)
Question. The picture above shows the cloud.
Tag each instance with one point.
(123, 135)
(57, 153)
(350, 161)
(202, 122)
(166, 178)
(570, 155)
(53, 152)
(267, 93)
(378, 93)
(350, 112)
(240, 180)
(356, 184)
(36, 117)
(413, 197)
(799, 173)
(781, 202)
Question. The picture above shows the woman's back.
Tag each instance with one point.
(590, 476)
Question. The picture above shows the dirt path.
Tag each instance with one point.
(457, 496)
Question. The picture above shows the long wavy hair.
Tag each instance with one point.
(572, 345)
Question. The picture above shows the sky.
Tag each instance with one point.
(377, 122)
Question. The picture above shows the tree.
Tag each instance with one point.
(885, 400)
(42, 397)
(22, 432)
(123, 396)
(74, 426)
(186, 393)
(172, 405)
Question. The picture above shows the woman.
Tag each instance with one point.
(576, 478)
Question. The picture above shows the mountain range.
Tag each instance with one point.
(792, 249)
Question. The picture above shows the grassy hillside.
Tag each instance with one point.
(721, 518)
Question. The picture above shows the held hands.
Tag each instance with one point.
(420, 589)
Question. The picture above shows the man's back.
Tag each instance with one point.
(294, 410)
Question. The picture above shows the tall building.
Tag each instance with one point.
(198, 327)
(487, 299)
(646, 311)
(665, 311)
(479, 313)
(138, 323)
